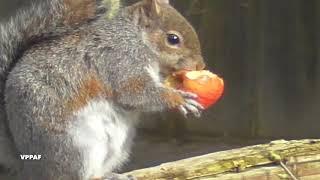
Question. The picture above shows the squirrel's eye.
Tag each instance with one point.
(173, 39)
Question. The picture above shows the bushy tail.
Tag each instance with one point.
(40, 18)
(15, 35)
(24, 27)
(29, 24)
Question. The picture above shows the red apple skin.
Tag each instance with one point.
(209, 90)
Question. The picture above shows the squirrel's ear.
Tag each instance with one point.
(154, 6)
(146, 10)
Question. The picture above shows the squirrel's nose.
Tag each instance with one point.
(200, 66)
(200, 63)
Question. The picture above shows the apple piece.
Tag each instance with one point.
(208, 86)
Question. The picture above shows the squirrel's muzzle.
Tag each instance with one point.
(200, 65)
(190, 63)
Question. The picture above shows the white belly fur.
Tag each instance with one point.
(104, 136)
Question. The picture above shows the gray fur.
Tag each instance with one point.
(15, 35)
(19, 31)
(50, 73)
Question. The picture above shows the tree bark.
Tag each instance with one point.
(301, 157)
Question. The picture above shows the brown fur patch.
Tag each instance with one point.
(172, 99)
(79, 11)
(91, 88)
(134, 85)
(137, 86)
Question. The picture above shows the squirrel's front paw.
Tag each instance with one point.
(190, 105)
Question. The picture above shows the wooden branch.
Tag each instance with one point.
(301, 157)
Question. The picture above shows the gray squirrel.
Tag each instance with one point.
(76, 74)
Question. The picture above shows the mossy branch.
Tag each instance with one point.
(301, 157)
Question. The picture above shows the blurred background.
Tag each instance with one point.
(267, 52)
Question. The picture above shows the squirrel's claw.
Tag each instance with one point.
(195, 104)
(183, 110)
(190, 105)
(187, 94)
(193, 107)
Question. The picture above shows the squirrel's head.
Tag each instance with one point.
(169, 34)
